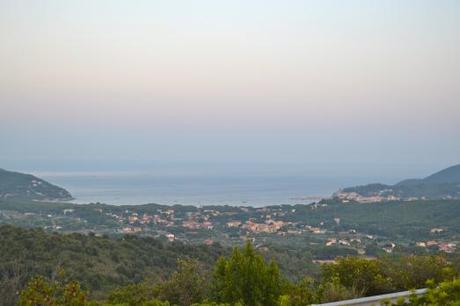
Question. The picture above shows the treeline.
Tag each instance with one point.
(245, 278)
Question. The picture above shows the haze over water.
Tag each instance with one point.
(205, 183)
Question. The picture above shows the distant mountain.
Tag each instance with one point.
(26, 186)
(449, 175)
(444, 184)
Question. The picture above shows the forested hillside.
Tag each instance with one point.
(97, 262)
(245, 278)
(102, 263)
(25, 186)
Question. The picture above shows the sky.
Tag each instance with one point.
(327, 82)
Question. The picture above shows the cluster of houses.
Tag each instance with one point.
(447, 247)
(164, 218)
(269, 226)
(275, 226)
(347, 197)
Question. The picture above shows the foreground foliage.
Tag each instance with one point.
(446, 294)
(244, 278)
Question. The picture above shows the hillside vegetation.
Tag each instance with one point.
(306, 229)
(100, 263)
(244, 278)
(25, 186)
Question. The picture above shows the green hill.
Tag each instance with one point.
(15, 185)
(444, 184)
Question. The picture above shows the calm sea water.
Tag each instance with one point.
(202, 185)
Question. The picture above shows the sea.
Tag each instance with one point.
(202, 184)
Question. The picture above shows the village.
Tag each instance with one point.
(213, 225)
(285, 225)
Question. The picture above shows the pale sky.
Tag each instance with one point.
(272, 81)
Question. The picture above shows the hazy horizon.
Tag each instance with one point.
(326, 82)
